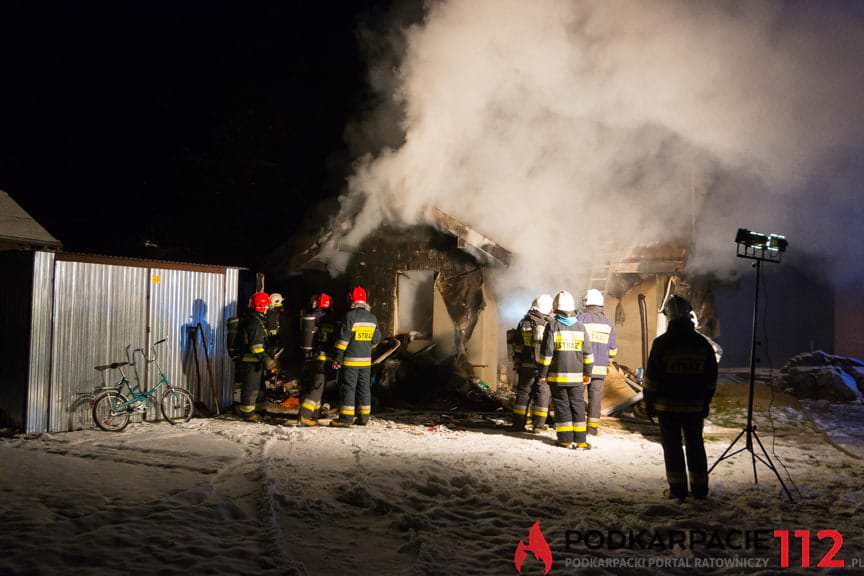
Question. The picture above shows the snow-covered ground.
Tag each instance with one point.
(397, 497)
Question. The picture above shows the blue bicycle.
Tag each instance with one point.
(112, 408)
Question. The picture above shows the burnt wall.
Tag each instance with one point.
(390, 250)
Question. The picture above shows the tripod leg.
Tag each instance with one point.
(770, 465)
(725, 452)
(753, 457)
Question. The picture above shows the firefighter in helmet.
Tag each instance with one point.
(358, 335)
(565, 362)
(603, 346)
(680, 381)
(529, 335)
(274, 320)
(319, 332)
(255, 361)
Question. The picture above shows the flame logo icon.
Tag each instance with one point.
(537, 545)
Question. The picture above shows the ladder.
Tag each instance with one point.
(602, 266)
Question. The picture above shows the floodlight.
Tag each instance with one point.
(758, 246)
(761, 248)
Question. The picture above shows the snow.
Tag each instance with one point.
(400, 497)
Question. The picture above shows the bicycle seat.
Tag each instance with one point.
(112, 366)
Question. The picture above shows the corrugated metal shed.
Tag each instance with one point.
(78, 311)
(99, 310)
(42, 314)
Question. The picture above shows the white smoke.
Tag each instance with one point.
(552, 125)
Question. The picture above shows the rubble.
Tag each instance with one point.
(821, 376)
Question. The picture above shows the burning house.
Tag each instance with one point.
(427, 284)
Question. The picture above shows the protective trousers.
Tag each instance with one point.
(355, 394)
(252, 392)
(595, 399)
(314, 378)
(530, 389)
(672, 426)
(569, 402)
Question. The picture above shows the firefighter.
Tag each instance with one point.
(319, 332)
(358, 335)
(604, 348)
(529, 335)
(274, 320)
(680, 381)
(565, 363)
(255, 361)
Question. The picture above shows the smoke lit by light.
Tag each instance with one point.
(552, 125)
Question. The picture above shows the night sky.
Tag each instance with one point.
(208, 129)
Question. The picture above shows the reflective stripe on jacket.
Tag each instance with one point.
(530, 335)
(358, 335)
(603, 338)
(253, 331)
(566, 356)
(682, 370)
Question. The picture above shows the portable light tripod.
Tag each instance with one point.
(761, 248)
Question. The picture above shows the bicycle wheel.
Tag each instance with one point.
(111, 411)
(177, 405)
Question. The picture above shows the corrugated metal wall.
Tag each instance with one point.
(99, 309)
(42, 310)
(232, 279)
(61, 318)
(15, 309)
(179, 301)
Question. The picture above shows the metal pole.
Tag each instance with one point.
(758, 266)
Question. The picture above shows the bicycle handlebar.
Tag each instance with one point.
(152, 357)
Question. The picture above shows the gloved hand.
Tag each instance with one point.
(269, 364)
(586, 379)
(337, 365)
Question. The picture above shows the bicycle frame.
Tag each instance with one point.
(136, 394)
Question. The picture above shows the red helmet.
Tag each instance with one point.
(358, 294)
(259, 301)
(324, 300)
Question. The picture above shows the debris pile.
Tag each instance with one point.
(821, 376)
(419, 376)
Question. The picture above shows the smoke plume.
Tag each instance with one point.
(551, 126)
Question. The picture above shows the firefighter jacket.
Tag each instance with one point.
(273, 320)
(565, 352)
(603, 340)
(529, 336)
(681, 376)
(253, 335)
(323, 337)
(358, 335)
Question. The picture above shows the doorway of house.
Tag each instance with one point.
(414, 300)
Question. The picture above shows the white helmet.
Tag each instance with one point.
(564, 302)
(276, 300)
(542, 303)
(593, 297)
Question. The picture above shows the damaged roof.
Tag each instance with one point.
(468, 237)
(302, 254)
(654, 258)
(19, 228)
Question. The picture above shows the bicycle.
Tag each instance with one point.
(112, 408)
